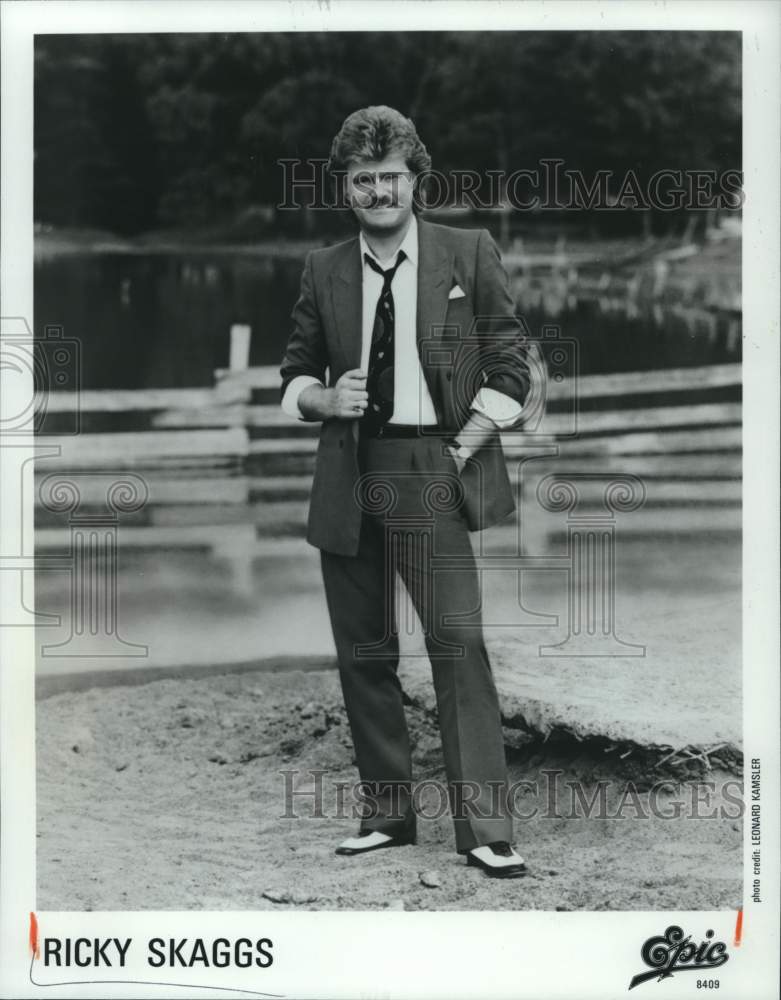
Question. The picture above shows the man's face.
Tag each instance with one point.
(381, 193)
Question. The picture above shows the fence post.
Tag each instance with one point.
(239, 349)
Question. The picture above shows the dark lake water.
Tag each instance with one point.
(159, 319)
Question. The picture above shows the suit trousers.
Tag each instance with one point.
(412, 524)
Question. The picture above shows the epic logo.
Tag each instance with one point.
(672, 952)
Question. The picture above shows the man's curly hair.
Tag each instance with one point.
(374, 133)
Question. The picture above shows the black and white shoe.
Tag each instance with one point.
(371, 840)
(498, 860)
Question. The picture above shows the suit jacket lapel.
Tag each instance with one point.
(435, 267)
(347, 302)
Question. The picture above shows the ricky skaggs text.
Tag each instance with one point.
(219, 953)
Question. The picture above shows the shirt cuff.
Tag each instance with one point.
(502, 409)
(293, 391)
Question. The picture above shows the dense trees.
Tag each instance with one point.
(136, 132)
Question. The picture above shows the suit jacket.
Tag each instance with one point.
(463, 343)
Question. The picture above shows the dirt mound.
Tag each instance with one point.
(682, 694)
(177, 795)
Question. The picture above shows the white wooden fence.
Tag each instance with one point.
(228, 470)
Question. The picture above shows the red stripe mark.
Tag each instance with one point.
(739, 928)
(34, 936)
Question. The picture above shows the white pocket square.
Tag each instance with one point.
(456, 292)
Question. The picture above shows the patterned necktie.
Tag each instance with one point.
(379, 377)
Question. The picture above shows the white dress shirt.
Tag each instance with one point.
(412, 402)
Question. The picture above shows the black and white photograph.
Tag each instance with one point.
(386, 509)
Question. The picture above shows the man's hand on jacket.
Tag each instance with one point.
(347, 400)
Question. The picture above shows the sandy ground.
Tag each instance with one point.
(169, 795)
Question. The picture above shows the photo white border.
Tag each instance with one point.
(516, 954)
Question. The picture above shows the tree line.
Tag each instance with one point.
(139, 132)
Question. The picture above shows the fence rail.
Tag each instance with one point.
(231, 472)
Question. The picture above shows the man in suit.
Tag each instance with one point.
(406, 347)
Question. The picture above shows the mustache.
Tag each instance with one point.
(377, 201)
